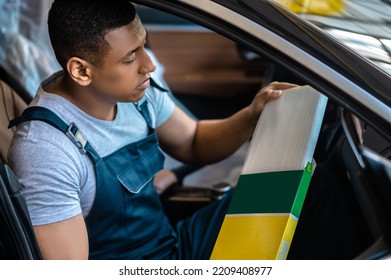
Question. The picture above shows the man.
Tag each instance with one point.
(87, 165)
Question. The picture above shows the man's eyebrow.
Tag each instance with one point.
(129, 53)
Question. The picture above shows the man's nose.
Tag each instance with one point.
(147, 65)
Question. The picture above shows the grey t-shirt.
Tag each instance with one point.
(58, 181)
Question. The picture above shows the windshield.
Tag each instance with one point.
(364, 25)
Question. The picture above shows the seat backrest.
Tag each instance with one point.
(11, 106)
(17, 238)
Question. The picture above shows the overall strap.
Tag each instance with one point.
(47, 116)
(143, 109)
(156, 85)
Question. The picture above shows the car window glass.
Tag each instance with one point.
(25, 51)
(362, 25)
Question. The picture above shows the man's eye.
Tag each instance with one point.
(130, 61)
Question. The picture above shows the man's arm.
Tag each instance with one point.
(51, 170)
(208, 141)
(65, 240)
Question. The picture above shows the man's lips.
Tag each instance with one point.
(144, 85)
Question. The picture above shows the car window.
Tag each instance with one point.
(362, 25)
(211, 74)
(25, 51)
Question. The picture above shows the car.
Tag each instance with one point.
(215, 54)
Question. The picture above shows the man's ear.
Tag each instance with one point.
(79, 70)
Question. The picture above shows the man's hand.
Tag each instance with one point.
(164, 179)
(270, 92)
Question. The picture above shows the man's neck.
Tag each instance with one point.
(83, 98)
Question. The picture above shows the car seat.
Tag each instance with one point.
(17, 238)
(12, 105)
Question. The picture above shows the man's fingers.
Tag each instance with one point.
(282, 85)
(276, 93)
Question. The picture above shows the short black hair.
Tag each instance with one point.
(78, 27)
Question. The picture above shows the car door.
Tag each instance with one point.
(301, 52)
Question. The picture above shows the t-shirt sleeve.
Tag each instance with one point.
(50, 180)
(163, 106)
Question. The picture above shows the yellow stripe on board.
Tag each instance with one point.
(250, 237)
(287, 237)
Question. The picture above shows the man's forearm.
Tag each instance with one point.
(217, 139)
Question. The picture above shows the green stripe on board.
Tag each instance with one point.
(302, 191)
(271, 192)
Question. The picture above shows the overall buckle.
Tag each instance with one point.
(77, 138)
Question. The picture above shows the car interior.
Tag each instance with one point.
(347, 211)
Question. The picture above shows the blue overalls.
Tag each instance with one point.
(127, 220)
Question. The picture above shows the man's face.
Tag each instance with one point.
(123, 77)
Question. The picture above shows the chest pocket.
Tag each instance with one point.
(140, 173)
